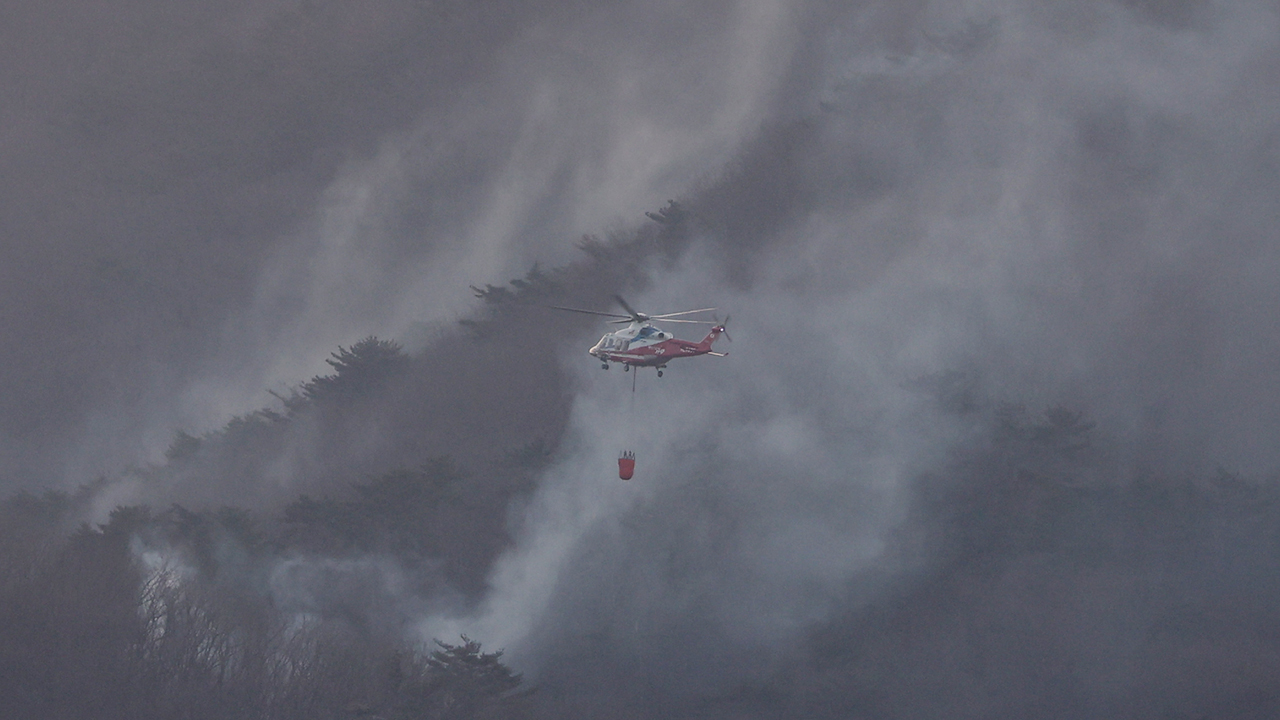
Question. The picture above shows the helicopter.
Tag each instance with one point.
(643, 344)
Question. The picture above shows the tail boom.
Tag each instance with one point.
(711, 338)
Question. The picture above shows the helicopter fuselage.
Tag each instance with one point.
(645, 345)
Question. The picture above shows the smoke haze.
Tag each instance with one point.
(931, 222)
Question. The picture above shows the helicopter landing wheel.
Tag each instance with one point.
(604, 366)
(659, 373)
(626, 368)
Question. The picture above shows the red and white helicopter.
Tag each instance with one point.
(643, 344)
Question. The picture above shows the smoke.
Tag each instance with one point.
(765, 484)
(569, 133)
(1068, 205)
(1061, 205)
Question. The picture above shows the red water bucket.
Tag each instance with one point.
(626, 465)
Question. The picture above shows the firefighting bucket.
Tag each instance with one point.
(626, 465)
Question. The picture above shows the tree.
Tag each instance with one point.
(466, 667)
(458, 681)
(363, 368)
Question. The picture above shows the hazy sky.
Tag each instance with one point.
(1071, 203)
(201, 202)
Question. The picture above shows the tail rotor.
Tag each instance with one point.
(724, 330)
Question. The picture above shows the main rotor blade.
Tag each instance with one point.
(638, 317)
(691, 322)
(587, 312)
(677, 314)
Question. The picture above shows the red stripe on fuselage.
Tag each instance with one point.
(657, 353)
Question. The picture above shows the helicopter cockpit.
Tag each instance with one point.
(610, 343)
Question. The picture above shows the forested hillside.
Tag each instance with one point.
(1036, 573)
(288, 431)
